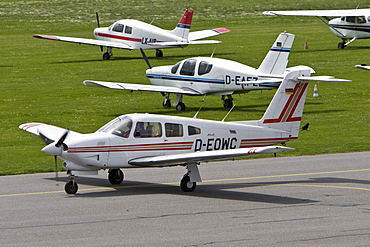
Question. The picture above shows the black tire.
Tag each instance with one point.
(115, 176)
(166, 103)
(180, 106)
(106, 56)
(71, 187)
(186, 185)
(341, 45)
(159, 53)
(228, 103)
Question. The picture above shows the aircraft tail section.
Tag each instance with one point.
(276, 59)
(183, 27)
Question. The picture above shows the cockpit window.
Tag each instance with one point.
(128, 30)
(356, 19)
(148, 130)
(173, 130)
(118, 27)
(204, 68)
(119, 127)
(188, 67)
(174, 68)
(193, 130)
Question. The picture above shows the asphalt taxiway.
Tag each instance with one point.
(321, 200)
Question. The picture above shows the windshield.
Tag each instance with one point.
(119, 126)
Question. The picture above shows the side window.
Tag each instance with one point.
(173, 130)
(193, 130)
(118, 27)
(204, 68)
(122, 128)
(128, 30)
(174, 68)
(351, 19)
(148, 130)
(188, 67)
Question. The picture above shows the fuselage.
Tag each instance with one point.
(136, 34)
(348, 27)
(120, 141)
(207, 75)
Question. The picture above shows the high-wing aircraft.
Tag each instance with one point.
(134, 35)
(147, 140)
(199, 76)
(353, 23)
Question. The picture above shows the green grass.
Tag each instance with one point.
(41, 80)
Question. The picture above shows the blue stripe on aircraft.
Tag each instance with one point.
(184, 78)
(183, 26)
(353, 27)
(281, 49)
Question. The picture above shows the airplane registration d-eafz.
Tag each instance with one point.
(132, 34)
(147, 140)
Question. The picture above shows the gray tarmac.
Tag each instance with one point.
(321, 200)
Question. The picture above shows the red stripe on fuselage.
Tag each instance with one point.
(106, 35)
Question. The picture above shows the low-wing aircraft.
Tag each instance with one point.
(353, 23)
(147, 140)
(199, 76)
(134, 35)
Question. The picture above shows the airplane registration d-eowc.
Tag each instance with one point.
(147, 140)
(353, 23)
(134, 35)
(199, 76)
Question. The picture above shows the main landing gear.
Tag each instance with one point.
(228, 103)
(180, 106)
(344, 43)
(107, 54)
(158, 53)
(115, 177)
(188, 181)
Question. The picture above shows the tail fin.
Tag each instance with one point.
(276, 59)
(183, 27)
(286, 108)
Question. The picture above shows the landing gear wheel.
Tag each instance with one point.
(71, 187)
(186, 185)
(158, 53)
(106, 56)
(115, 176)
(341, 45)
(228, 103)
(166, 103)
(180, 106)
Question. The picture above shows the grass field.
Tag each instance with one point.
(41, 80)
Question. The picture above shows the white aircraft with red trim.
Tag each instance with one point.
(200, 76)
(353, 24)
(147, 140)
(134, 35)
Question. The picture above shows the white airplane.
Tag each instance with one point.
(353, 23)
(134, 35)
(199, 76)
(362, 66)
(147, 140)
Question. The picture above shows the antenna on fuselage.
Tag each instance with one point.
(196, 114)
(228, 113)
(213, 52)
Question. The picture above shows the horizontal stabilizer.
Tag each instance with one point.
(207, 33)
(178, 159)
(140, 87)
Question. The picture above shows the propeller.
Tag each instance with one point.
(56, 148)
(145, 58)
(98, 21)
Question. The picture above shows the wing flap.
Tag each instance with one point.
(204, 156)
(96, 42)
(140, 87)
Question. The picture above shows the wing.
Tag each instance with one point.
(48, 133)
(362, 66)
(141, 87)
(328, 13)
(86, 41)
(204, 156)
(200, 42)
(206, 33)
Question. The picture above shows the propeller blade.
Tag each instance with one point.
(45, 138)
(61, 140)
(56, 168)
(97, 19)
(145, 58)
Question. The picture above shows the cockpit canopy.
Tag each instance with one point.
(120, 28)
(190, 66)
